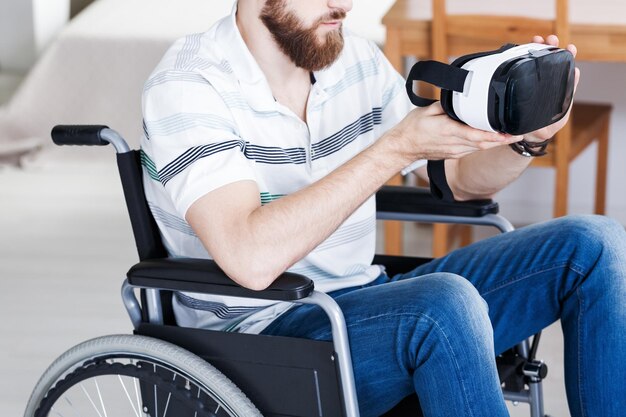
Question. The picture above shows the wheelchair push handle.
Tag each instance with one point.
(88, 135)
(78, 135)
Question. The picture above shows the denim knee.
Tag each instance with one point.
(457, 305)
(457, 317)
(600, 250)
(603, 232)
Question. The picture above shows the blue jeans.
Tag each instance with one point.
(436, 330)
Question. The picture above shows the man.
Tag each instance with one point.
(266, 138)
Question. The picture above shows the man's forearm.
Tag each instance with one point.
(482, 174)
(289, 228)
(254, 244)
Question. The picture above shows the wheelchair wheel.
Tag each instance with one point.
(135, 376)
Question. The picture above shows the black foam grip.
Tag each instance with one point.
(78, 135)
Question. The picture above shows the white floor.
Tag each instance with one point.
(65, 246)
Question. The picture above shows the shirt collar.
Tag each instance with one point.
(251, 78)
(332, 75)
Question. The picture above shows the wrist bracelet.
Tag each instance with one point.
(529, 149)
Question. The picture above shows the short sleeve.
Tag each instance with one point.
(395, 102)
(191, 138)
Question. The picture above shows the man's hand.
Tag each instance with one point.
(472, 174)
(429, 133)
(549, 131)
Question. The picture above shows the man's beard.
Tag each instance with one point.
(299, 43)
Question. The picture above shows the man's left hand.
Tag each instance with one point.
(549, 131)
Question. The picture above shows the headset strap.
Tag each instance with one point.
(442, 75)
(447, 77)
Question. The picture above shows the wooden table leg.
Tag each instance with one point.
(562, 149)
(393, 229)
(441, 239)
(601, 168)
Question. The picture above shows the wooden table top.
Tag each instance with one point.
(409, 20)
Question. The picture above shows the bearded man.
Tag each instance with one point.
(265, 140)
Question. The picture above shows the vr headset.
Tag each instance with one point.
(516, 89)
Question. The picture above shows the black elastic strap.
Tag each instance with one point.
(433, 72)
(446, 77)
(439, 187)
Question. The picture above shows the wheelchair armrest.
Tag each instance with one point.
(416, 200)
(204, 276)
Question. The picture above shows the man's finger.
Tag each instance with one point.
(538, 39)
(475, 135)
(553, 40)
(572, 48)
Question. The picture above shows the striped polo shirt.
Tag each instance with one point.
(210, 119)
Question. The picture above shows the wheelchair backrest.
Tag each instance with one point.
(146, 232)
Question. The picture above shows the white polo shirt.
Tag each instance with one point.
(210, 119)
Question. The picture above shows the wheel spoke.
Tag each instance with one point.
(128, 396)
(167, 404)
(67, 400)
(95, 380)
(90, 400)
(56, 412)
(137, 393)
(196, 413)
(156, 405)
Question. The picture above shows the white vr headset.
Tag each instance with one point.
(516, 89)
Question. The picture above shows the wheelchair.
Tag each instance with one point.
(166, 370)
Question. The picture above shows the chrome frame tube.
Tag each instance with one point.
(133, 308)
(494, 220)
(341, 345)
(520, 397)
(535, 386)
(153, 306)
(115, 139)
(536, 398)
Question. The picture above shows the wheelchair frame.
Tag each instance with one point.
(155, 274)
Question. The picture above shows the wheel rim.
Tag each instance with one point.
(130, 385)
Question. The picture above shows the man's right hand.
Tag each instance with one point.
(429, 133)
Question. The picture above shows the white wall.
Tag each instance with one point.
(365, 18)
(26, 27)
(17, 36)
(49, 17)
